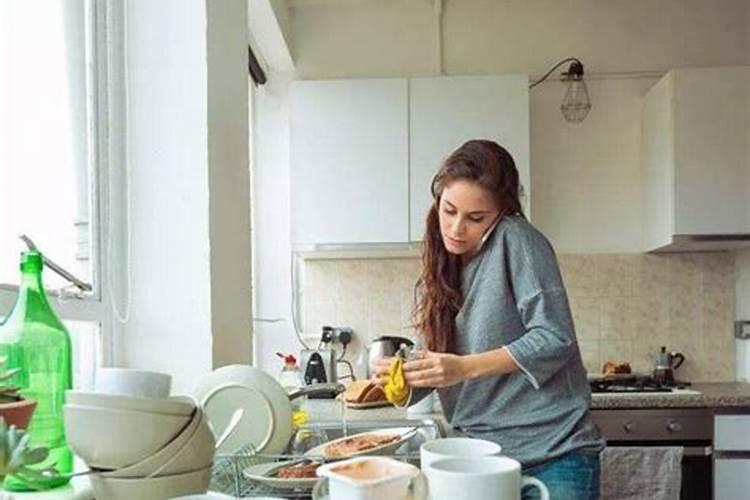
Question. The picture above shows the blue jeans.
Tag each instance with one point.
(574, 476)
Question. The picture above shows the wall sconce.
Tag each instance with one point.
(576, 102)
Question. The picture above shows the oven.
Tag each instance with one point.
(690, 428)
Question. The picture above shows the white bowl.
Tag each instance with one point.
(155, 488)
(109, 439)
(150, 464)
(130, 382)
(176, 405)
(197, 453)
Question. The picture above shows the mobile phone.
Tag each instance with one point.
(488, 231)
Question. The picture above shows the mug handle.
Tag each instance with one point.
(532, 481)
(320, 490)
(418, 487)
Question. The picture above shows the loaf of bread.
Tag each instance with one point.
(610, 368)
(364, 391)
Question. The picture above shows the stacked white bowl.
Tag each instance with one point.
(142, 443)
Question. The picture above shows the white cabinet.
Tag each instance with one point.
(445, 112)
(363, 152)
(695, 161)
(731, 470)
(349, 161)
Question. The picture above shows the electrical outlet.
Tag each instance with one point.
(343, 334)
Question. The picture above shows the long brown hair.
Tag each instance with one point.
(438, 295)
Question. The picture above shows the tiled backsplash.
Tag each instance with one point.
(624, 306)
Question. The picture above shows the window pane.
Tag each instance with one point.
(44, 171)
(85, 342)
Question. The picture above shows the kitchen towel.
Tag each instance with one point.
(641, 473)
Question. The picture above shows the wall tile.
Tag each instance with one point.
(625, 307)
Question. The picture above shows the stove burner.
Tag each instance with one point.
(634, 384)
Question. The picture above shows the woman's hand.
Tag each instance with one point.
(433, 369)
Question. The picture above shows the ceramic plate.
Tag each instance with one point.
(260, 472)
(364, 406)
(404, 433)
(267, 420)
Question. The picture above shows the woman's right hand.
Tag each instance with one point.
(380, 368)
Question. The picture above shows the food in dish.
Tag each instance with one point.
(364, 391)
(302, 470)
(610, 368)
(366, 470)
(357, 444)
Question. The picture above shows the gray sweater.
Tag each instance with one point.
(514, 297)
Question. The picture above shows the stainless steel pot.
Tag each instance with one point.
(384, 347)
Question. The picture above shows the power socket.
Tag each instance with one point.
(343, 335)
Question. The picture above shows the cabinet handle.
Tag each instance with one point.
(674, 427)
(629, 427)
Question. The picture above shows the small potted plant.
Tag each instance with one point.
(16, 455)
(14, 408)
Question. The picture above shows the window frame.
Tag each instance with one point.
(106, 97)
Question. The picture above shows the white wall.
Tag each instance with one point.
(188, 147)
(585, 178)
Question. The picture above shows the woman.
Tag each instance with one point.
(493, 314)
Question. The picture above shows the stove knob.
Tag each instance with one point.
(629, 427)
(674, 427)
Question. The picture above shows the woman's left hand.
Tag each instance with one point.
(433, 369)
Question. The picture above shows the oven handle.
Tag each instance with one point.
(698, 451)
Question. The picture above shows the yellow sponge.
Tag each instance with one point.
(395, 388)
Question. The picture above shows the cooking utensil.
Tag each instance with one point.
(666, 364)
(236, 417)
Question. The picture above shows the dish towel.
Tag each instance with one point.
(641, 473)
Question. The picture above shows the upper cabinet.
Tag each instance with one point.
(349, 159)
(445, 112)
(363, 152)
(696, 160)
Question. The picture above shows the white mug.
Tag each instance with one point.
(131, 382)
(457, 447)
(486, 478)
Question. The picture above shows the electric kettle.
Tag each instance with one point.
(384, 347)
(666, 364)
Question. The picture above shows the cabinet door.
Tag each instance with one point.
(349, 161)
(731, 479)
(445, 112)
(712, 168)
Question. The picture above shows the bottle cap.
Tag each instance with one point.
(288, 358)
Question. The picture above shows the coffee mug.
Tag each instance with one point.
(131, 382)
(487, 478)
(457, 447)
(370, 478)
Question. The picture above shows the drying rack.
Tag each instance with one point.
(228, 478)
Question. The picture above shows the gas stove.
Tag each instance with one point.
(637, 385)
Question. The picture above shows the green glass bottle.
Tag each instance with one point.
(34, 339)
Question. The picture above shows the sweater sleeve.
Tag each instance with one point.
(541, 300)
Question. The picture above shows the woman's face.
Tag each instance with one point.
(466, 211)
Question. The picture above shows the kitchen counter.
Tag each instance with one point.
(719, 395)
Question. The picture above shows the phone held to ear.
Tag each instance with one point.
(488, 232)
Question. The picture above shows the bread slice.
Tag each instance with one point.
(373, 393)
(356, 390)
(364, 391)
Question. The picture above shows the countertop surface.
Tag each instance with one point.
(719, 395)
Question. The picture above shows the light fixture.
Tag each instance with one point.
(576, 103)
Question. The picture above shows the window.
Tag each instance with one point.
(53, 159)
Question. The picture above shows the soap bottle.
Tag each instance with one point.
(290, 378)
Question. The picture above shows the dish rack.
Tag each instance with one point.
(228, 478)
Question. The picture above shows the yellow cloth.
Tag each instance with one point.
(396, 391)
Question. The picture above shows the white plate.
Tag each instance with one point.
(404, 434)
(364, 406)
(259, 473)
(267, 420)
